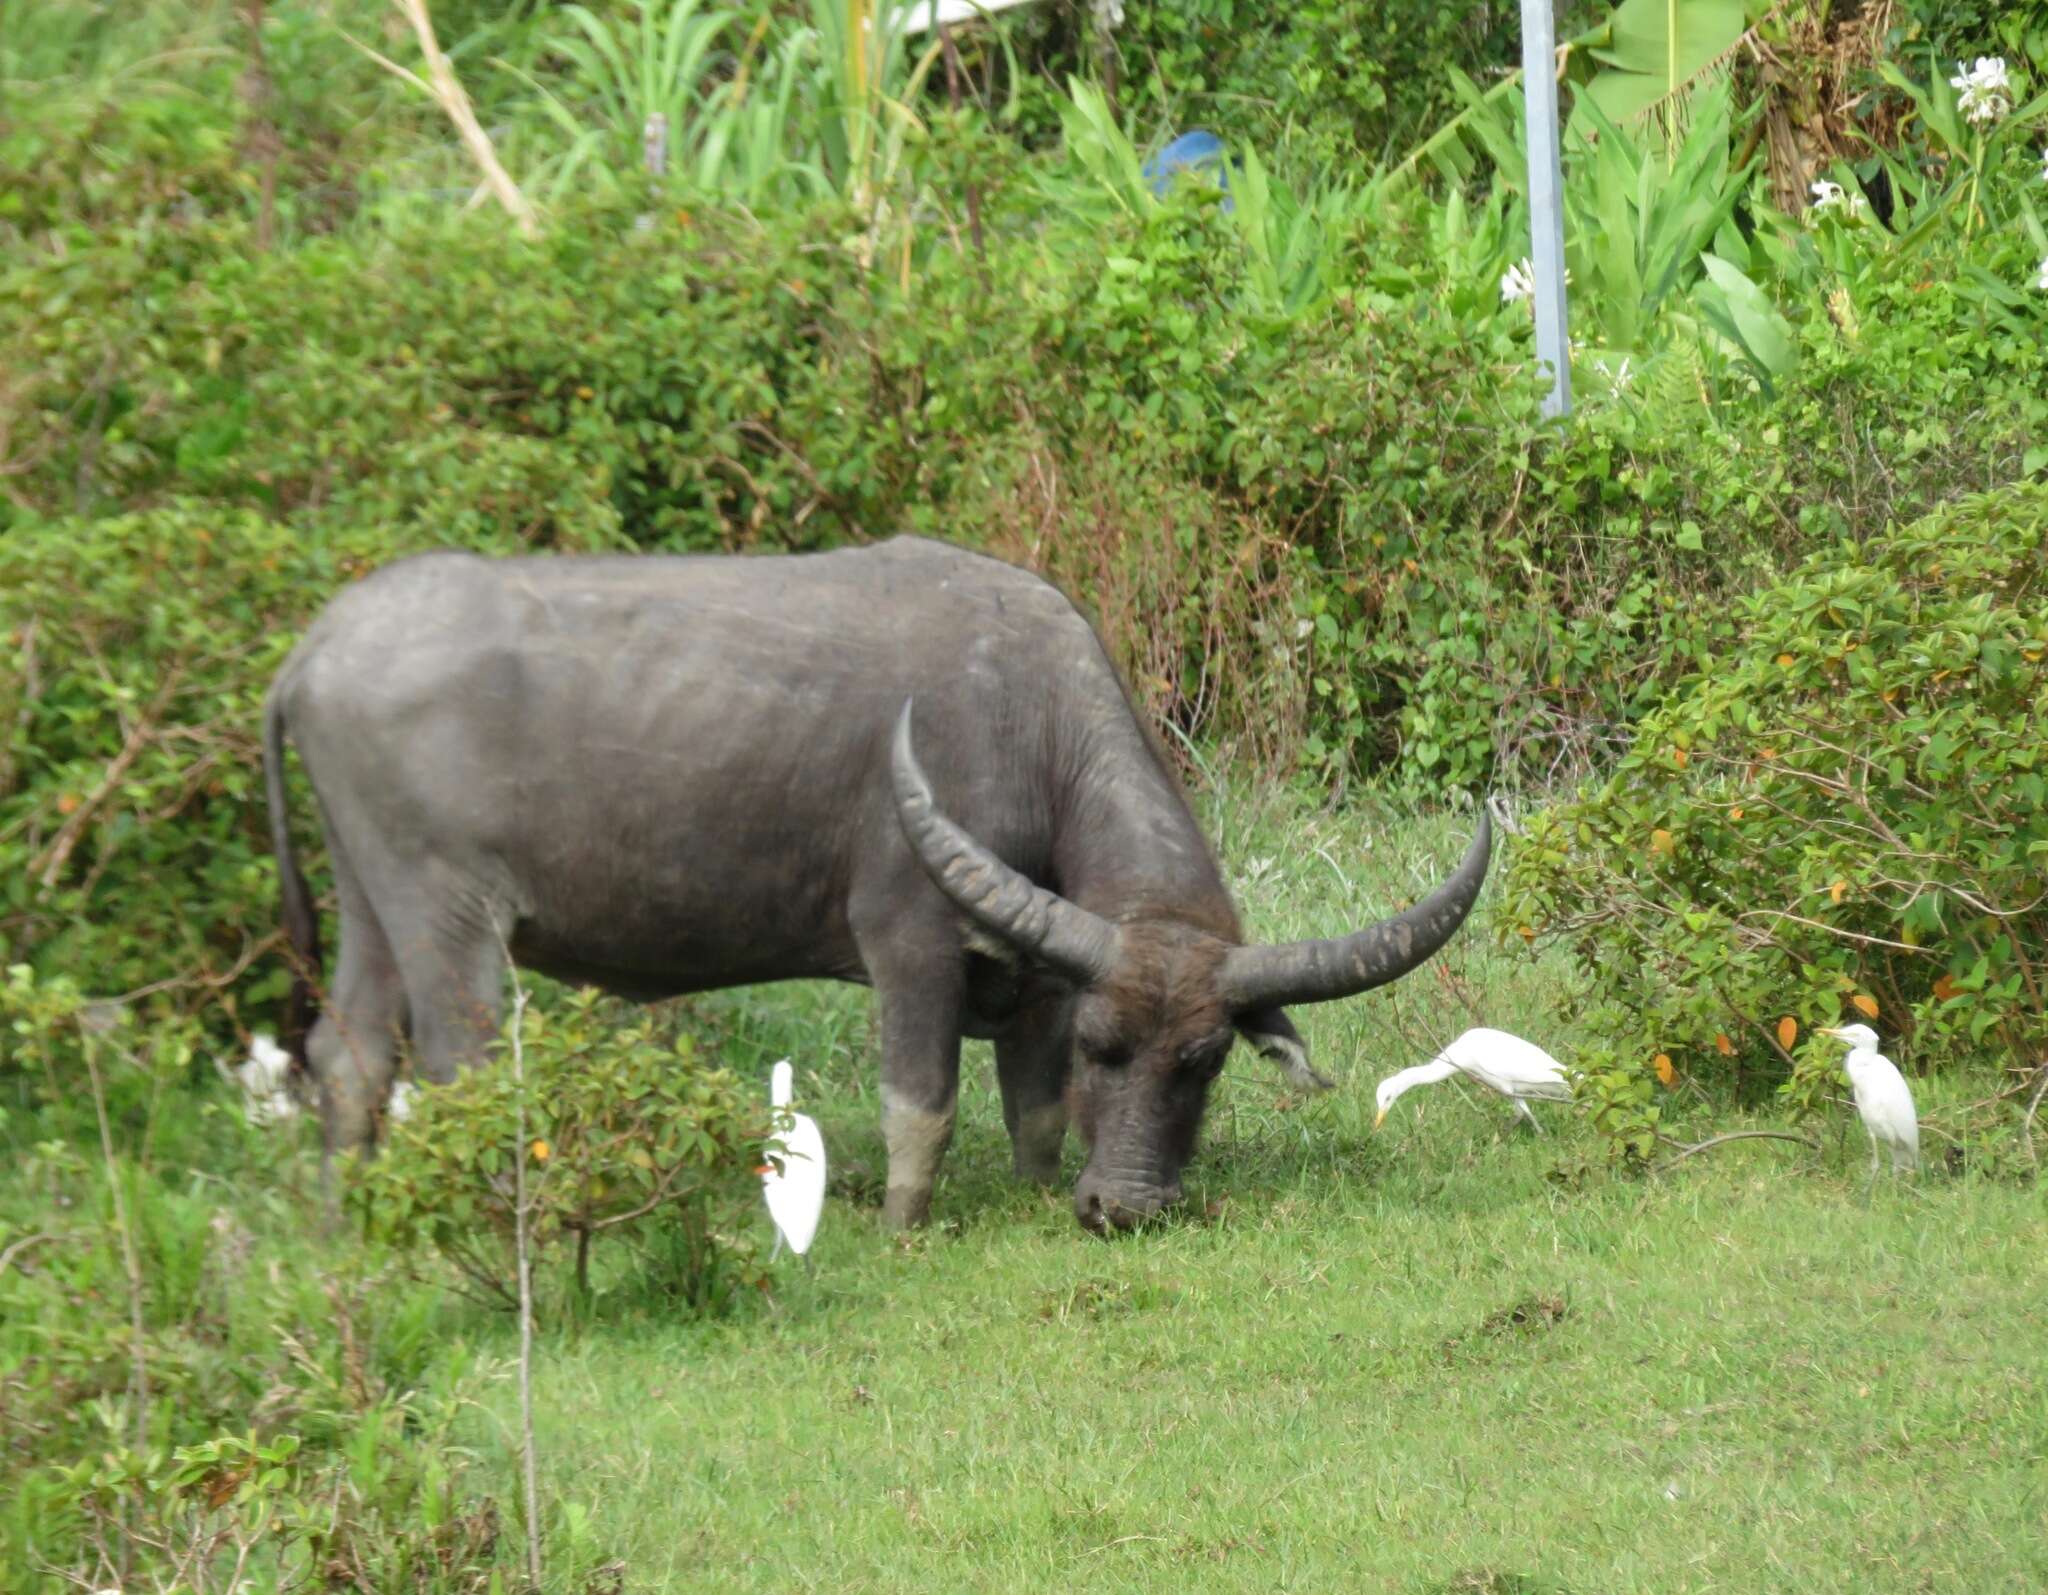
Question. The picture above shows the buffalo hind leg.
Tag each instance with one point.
(1033, 1058)
(353, 1047)
(455, 983)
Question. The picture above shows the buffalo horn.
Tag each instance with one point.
(1035, 921)
(1343, 966)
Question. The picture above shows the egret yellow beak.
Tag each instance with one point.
(1381, 1119)
(1831, 1030)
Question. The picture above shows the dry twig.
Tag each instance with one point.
(17, 1248)
(51, 864)
(138, 1383)
(522, 1245)
(2027, 1122)
(446, 88)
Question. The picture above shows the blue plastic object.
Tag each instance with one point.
(1196, 151)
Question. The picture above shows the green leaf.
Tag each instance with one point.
(1658, 48)
(1748, 319)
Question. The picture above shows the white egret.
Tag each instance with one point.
(1515, 1068)
(263, 1077)
(796, 1190)
(1882, 1098)
(398, 1106)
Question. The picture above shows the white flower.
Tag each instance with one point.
(1984, 91)
(1618, 377)
(2041, 279)
(1518, 282)
(1832, 196)
(266, 1098)
(1109, 15)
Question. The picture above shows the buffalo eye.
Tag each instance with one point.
(1107, 1050)
(1100, 1033)
(1205, 1057)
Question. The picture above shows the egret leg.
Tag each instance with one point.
(1522, 1108)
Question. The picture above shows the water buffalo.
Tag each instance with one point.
(659, 775)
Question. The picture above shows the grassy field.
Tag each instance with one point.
(1447, 1356)
(1413, 1368)
(1441, 1357)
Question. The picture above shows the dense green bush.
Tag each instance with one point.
(1345, 538)
(185, 1368)
(203, 1518)
(133, 847)
(625, 1133)
(1344, 78)
(1291, 456)
(1839, 816)
(1947, 28)
(169, 114)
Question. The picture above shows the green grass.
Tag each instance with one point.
(1449, 1356)
(1410, 1361)
(1391, 1370)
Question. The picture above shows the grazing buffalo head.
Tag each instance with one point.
(1161, 999)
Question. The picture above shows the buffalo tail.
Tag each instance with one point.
(301, 925)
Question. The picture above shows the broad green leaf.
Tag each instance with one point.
(1657, 48)
(1759, 330)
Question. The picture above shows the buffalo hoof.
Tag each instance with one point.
(906, 1209)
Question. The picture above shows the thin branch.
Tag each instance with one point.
(2027, 1123)
(1835, 930)
(18, 1247)
(1967, 899)
(522, 1244)
(447, 89)
(660, 1195)
(51, 864)
(251, 951)
(1810, 721)
(139, 1371)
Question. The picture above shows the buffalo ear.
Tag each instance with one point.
(1273, 1036)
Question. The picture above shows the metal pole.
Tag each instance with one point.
(1546, 200)
(654, 143)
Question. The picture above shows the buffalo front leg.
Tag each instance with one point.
(920, 1089)
(1032, 1062)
